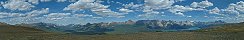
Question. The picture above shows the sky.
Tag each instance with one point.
(93, 11)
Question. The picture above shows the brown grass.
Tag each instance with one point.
(135, 36)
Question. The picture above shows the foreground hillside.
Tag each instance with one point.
(136, 36)
(5, 28)
(233, 27)
(13, 32)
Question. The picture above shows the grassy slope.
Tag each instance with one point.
(10, 32)
(5, 28)
(235, 27)
(137, 36)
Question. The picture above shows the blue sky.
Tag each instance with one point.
(92, 11)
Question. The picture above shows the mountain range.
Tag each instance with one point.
(125, 27)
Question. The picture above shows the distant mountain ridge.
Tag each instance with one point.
(124, 27)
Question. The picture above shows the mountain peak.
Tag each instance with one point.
(129, 22)
(2, 23)
(220, 21)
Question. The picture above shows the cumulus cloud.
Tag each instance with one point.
(236, 9)
(231, 9)
(18, 5)
(45, 0)
(152, 5)
(61, 0)
(82, 4)
(32, 16)
(10, 15)
(202, 4)
(36, 13)
(239, 6)
(57, 16)
(180, 13)
(189, 16)
(159, 4)
(82, 15)
(178, 9)
(149, 14)
(132, 5)
(125, 10)
(87, 0)
(34, 1)
(72, 0)
(106, 12)
(95, 7)
(215, 11)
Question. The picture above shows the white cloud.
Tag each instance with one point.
(88, 1)
(106, 12)
(18, 5)
(125, 10)
(32, 16)
(81, 5)
(73, 0)
(36, 13)
(61, 0)
(231, 9)
(194, 4)
(1, 3)
(205, 16)
(17, 15)
(33, 1)
(153, 5)
(214, 11)
(95, 7)
(239, 6)
(178, 10)
(97, 17)
(57, 16)
(10, 15)
(132, 5)
(180, 13)
(45, 0)
(82, 15)
(159, 4)
(149, 14)
(235, 8)
(234, 11)
(203, 4)
(189, 16)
